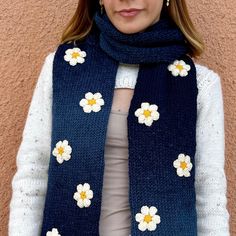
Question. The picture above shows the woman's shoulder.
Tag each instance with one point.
(46, 69)
(50, 56)
(206, 77)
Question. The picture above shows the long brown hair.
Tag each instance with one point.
(81, 23)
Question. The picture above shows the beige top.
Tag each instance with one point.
(115, 212)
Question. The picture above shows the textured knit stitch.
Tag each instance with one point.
(30, 181)
(151, 150)
(124, 72)
(163, 41)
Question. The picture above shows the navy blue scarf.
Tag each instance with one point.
(161, 131)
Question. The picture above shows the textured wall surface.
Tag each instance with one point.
(29, 30)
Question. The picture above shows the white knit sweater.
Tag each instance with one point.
(29, 184)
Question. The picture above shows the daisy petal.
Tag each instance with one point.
(151, 226)
(145, 210)
(153, 210)
(142, 226)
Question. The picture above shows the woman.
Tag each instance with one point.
(125, 132)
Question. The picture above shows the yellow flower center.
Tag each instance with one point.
(183, 165)
(91, 101)
(83, 195)
(179, 67)
(75, 55)
(148, 218)
(60, 150)
(147, 113)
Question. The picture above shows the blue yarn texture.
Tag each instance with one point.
(152, 149)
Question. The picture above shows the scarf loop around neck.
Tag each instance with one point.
(162, 41)
(161, 131)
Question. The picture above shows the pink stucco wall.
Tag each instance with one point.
(29, 30)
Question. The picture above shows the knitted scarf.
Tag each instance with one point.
(161, 131)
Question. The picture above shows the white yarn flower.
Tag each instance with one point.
(62, 151)
(183, 165)
(148, 219)
(74, 56)
(83, 195)
(54, 232)
(179, 68)
(92, 102)
(147, 113)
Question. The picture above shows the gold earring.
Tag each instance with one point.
(167, 3)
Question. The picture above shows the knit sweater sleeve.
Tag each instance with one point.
(210, 181)
(29, 183)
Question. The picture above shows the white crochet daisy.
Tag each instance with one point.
(54, 232)
(147, 113)
(148, 219)
(179, 68)
(183, 165)
(92, 102)
(83, 195)
(62, 151)
(74, 56)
